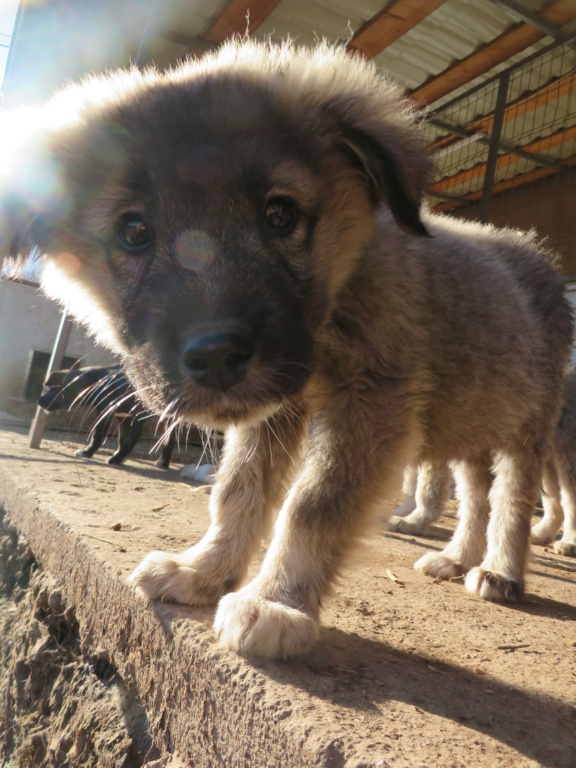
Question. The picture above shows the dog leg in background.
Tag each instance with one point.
(545, 531)
(432, 494)
(276, 615)
(468, 544)
(513, 496)
(129, 434)
(256, 468)
(163, 461)
(567, 544)
(559, 503)
(565, 464)
(99, 434)
(409, 488)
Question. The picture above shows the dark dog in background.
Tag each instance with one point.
(248, 232)
(109, 396)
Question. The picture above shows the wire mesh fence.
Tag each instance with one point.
(534, 181)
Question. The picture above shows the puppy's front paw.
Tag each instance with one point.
(414, 527)
(440, 566)
(253, 626)
(494, 586)
(566, 548)
(164, 576)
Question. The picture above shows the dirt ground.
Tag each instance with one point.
(58, 708)
(409, 672)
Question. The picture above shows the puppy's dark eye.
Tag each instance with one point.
(281, 215)
(133, 232)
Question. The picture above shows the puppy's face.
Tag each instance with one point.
(214, 242)
(204, 231)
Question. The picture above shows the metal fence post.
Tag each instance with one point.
(494, 149)
(60, 344)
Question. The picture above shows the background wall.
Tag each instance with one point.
(29, 322)
(549, 207)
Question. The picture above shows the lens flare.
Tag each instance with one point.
(193, 248)
(68, 263)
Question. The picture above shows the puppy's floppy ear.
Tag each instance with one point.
(385, 180)
(363, 114)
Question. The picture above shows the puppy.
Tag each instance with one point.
(248, 232)
(427, 487)
(108, 394)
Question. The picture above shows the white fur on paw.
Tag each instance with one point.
(405, 525)
(253, 626)
(406, 508)
(161, 576)
(541, 534)
(439, 566)
(205, 473)
(566, 548)
(494, 586)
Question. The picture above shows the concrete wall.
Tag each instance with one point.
(29, 322)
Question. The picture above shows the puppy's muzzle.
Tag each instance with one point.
(217, 360)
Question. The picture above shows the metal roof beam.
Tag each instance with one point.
(187, 41)
(497, 51)
(383, 29)
(538, 22)
(239, 17)
(485, 139)
(522, 180)
(530, 153)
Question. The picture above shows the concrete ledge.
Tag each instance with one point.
(407, 673)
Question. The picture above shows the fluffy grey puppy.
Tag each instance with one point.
(247, 231)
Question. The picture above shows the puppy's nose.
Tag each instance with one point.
(217, 360)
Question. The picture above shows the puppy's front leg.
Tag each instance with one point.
(256, 468)
(100, 431)
(276, 615)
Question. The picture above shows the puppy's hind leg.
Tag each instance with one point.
(513, 497)
(468, 544)
(565, 464)
(432, 492)
(257, 464)
(409, 488)
(545, 531)
(567, 544)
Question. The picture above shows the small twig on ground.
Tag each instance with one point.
(511, 648)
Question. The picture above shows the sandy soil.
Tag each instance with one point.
(58, 707)
(414, 673)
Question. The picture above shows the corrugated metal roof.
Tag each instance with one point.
(448, 34)
(456, 29)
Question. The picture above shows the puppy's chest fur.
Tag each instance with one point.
(368, 346)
